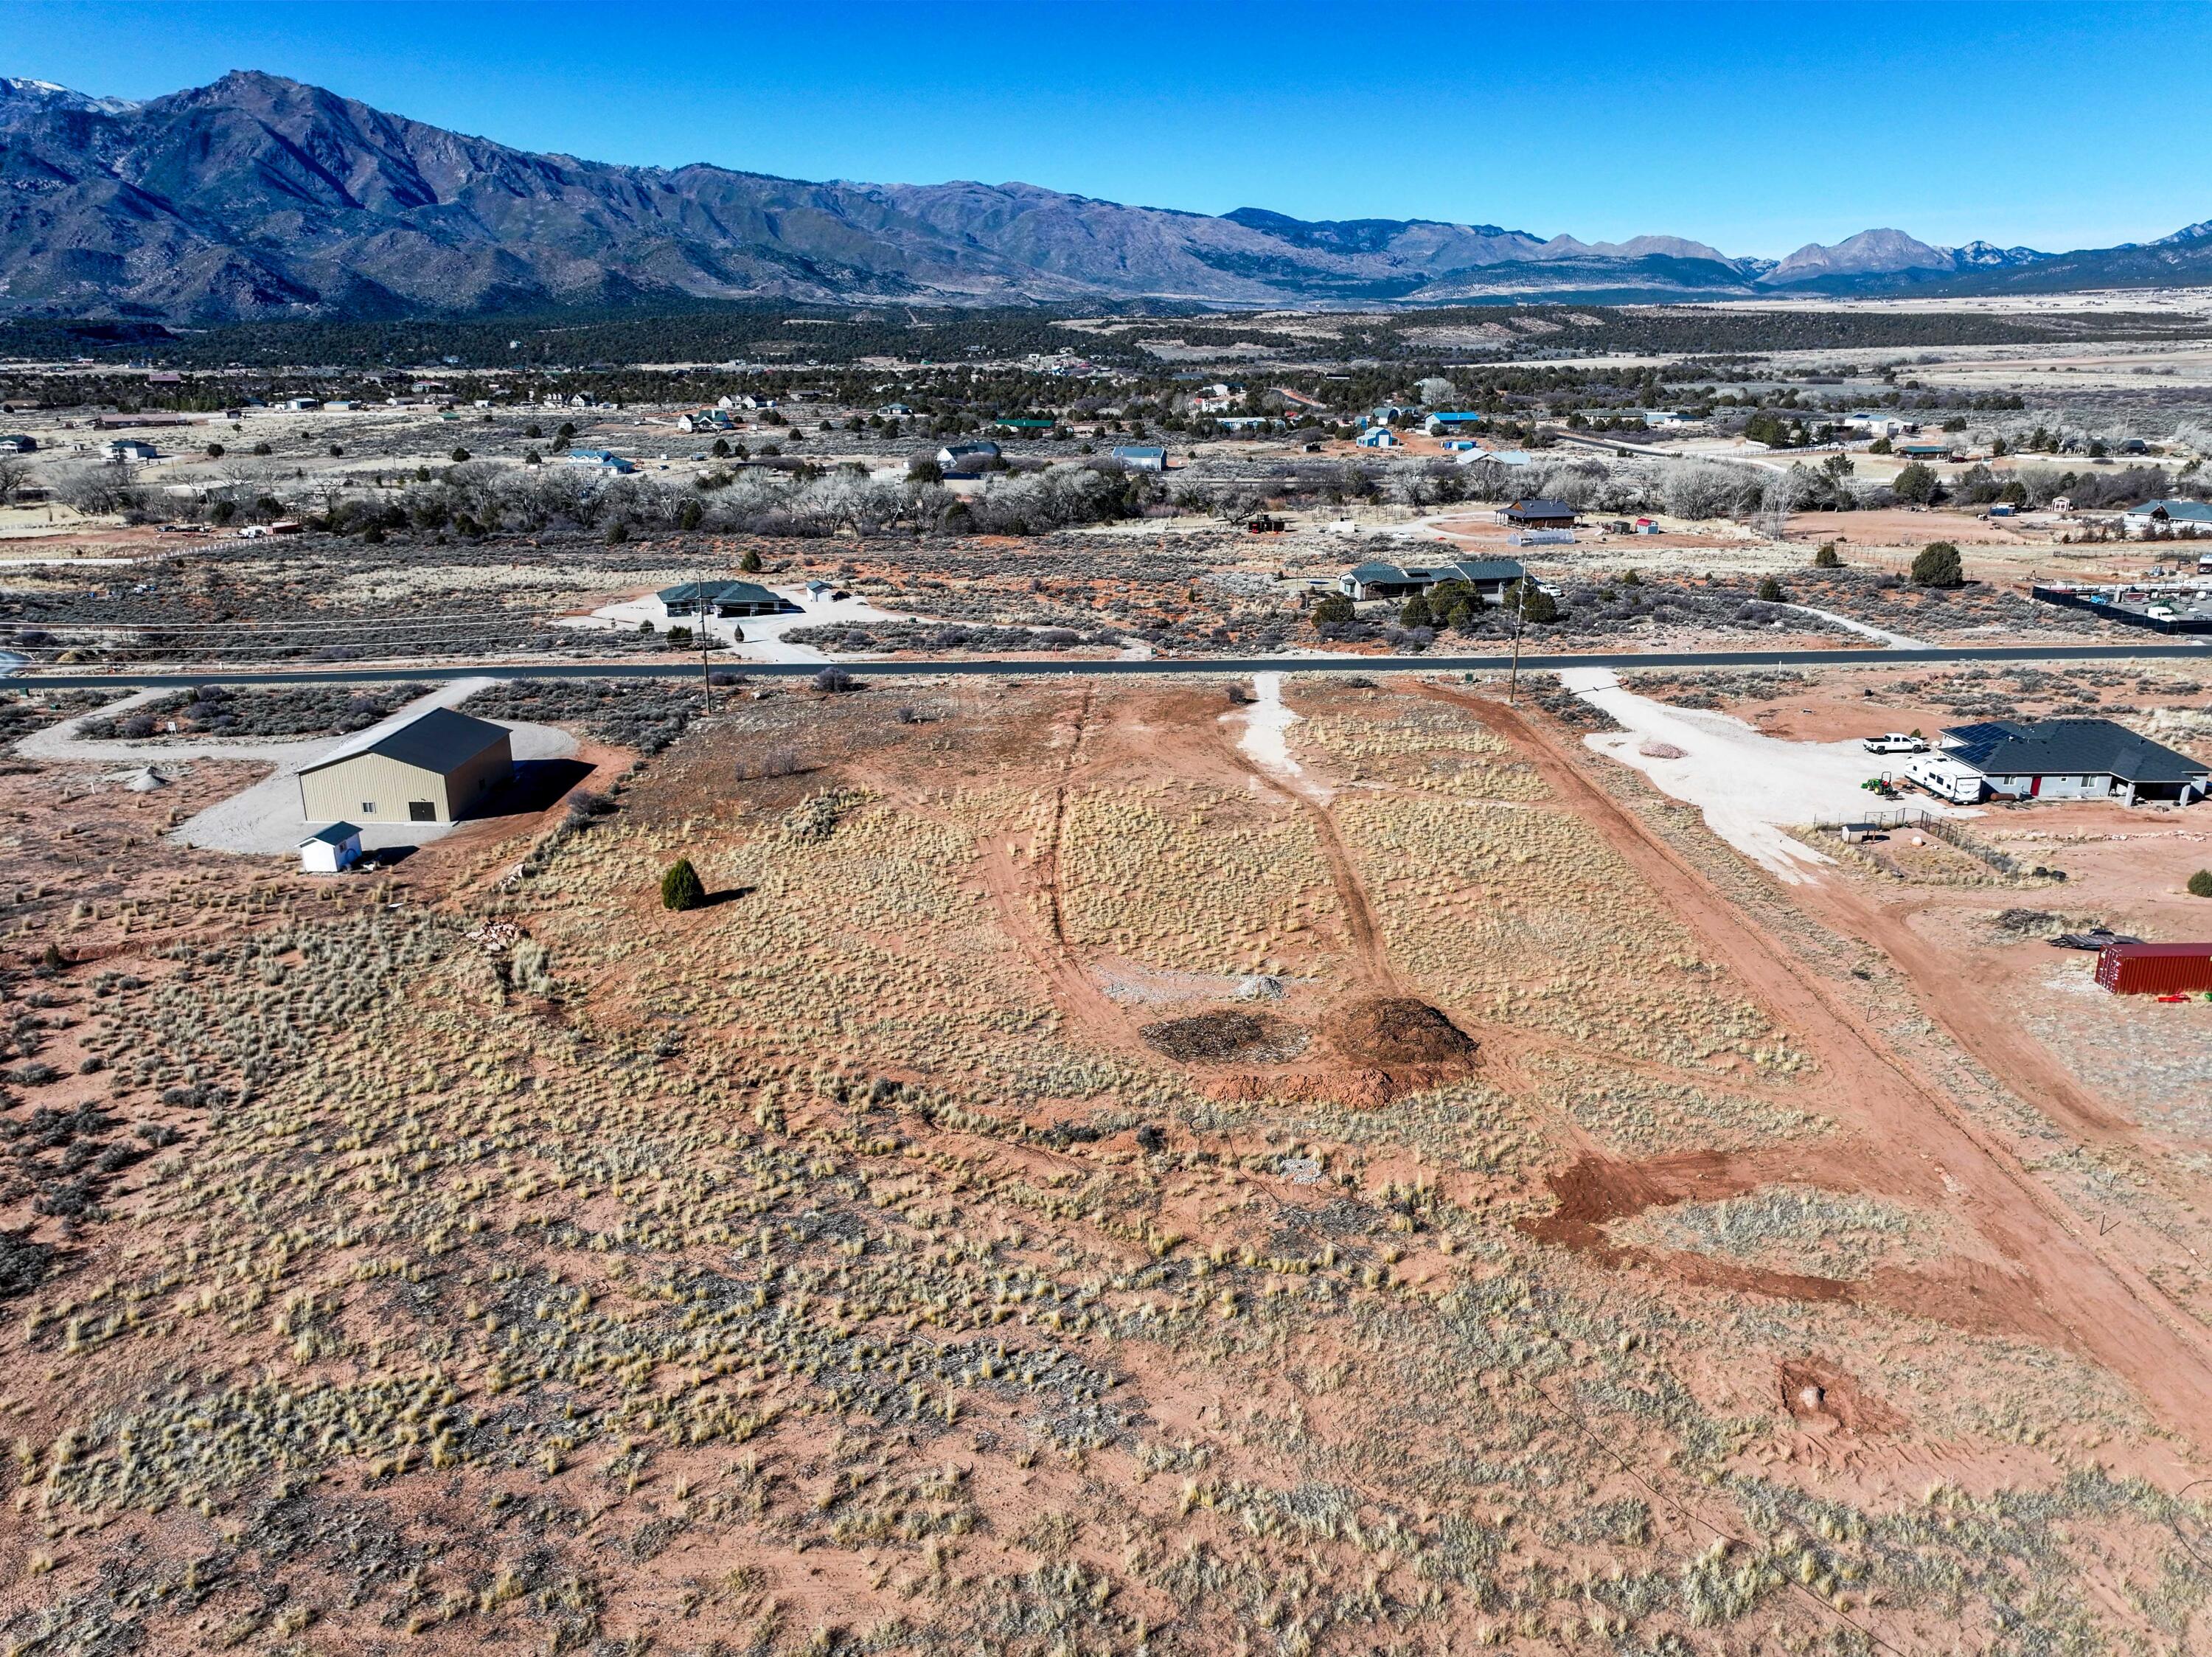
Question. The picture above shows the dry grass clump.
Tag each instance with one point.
(1422, 745)
(1638, 1116)
(1190, 879)
(1525, 916)
(1793, 1229)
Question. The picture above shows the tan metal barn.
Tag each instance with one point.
(434, 769)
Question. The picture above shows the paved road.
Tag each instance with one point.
(675, 667)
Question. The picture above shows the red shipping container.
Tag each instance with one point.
(2154, 969)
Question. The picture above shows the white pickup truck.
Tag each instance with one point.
(1895, 742)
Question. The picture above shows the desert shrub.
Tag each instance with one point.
(1770, 590)
(2200, 884)
(1827, 557)
(835, 681)
(1938, 565)
(1333, 611)
(681, 888)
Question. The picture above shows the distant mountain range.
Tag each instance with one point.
(259, 197)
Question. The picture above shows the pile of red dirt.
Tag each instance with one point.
(1391, 1032)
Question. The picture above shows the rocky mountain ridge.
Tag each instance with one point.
(258, 197)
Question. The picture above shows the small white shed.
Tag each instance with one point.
(331, 851)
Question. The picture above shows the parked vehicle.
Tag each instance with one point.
(1895, 742)
(1945, 778)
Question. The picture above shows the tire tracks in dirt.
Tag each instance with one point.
(1371, 959)
(2100, 1306)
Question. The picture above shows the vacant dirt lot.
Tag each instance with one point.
(1073, 1187)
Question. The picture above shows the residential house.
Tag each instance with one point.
(967, 456)
(1488, 577)
(2072, 759)
(1377, 437)
(724, 599)
(1141, 457)
(130, 448)
(18, 443)
(605, 459)
(1879, 425)
(1441, 425)
(1537, 515)
(2167, 518)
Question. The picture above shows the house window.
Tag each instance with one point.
(421, 811)
(368, 809)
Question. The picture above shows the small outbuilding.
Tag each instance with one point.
(1141, 457)
(330, 850)
(436, 768)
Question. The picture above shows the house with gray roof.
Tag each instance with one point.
(722, 599)
(2073, 759)
(1488, 577)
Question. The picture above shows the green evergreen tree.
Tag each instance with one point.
(681, 888)
(1938, 565)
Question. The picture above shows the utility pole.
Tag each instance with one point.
(706, 678)
(1520, 620)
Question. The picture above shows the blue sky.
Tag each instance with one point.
(1756, 127)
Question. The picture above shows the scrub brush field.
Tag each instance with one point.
(1081, 1181)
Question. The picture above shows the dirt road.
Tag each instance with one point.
(2101, 1303)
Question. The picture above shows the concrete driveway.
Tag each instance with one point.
(265, 819)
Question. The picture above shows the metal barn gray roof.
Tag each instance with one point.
(439, 740)
(2057, 747)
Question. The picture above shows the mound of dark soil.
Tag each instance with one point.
(1388, 1031)
(1218, 1037)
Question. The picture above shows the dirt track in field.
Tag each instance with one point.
(2056, 1281)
